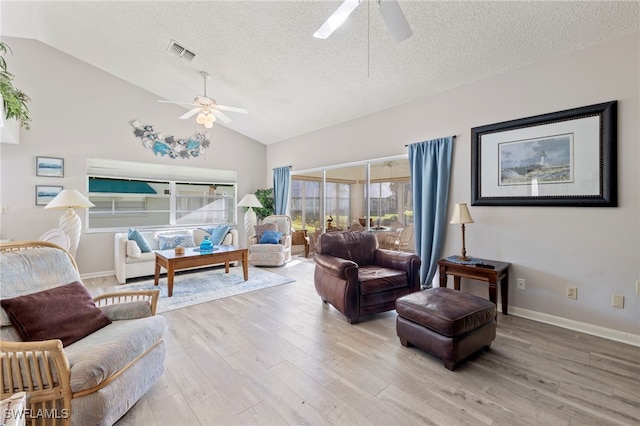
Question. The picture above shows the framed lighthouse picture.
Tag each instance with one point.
(565, 158)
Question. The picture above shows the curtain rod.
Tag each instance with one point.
(454, 137)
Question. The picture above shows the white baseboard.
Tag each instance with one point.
(98, 274)
(594, 330)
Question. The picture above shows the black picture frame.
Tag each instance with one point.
(510, 165)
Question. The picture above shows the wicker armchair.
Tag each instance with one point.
(54, 376)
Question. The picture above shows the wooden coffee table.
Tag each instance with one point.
(192, 257)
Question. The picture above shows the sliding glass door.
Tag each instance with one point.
(374, 193)
(306, 201)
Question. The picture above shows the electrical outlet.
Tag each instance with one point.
(617, 301)
(521, 284)
(572, 292)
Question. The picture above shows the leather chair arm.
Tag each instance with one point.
(335, 266)
(409, 262)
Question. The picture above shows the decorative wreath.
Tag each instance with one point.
(193, 146)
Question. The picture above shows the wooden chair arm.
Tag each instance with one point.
(150, 296)
(41, 369)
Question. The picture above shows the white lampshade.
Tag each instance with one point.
(250, 200)
(69, 198)
(461, 214)
(70, 222)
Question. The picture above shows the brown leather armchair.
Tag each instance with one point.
(360, 279)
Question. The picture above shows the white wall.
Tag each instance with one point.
(80, 111)
(594, 249)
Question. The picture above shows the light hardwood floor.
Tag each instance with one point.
(279, 357)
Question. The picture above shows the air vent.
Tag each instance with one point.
(179, 50)
(188, 55)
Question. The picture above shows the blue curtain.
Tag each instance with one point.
(430, 165)
(281, 179)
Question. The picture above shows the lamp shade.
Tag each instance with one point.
(461, 214)
(250, 200)
(69, 198)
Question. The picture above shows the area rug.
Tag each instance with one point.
(192, 288)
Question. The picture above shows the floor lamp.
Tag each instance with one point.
(70, 222)
(250, 220)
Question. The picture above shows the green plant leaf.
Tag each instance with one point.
(15, 101)
(265, 196)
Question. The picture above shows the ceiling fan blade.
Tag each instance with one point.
(221, 116)
(395, 20)
(190, 113)
(176, 102)
(336, 19)
(232, 109)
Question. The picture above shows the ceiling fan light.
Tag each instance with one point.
(211, 118)
(202, 118)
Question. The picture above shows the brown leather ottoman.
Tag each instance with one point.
(446, 323)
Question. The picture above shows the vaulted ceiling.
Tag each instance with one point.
(262, 56)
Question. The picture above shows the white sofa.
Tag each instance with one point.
(129, 263)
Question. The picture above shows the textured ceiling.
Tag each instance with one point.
(262, 56)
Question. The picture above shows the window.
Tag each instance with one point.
(305, 203)
(337, 203)
(128, 194)
(204, 203)
(376, 192)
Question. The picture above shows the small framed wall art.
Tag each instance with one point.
(46, 193)
(565, 158)
(49, 166)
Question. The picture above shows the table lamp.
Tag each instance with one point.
(461, 215)
(70, 222)
(250, 220)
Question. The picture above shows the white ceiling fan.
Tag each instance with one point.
(207, 107)
(390, 11)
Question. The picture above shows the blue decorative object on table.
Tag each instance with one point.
(206, 244)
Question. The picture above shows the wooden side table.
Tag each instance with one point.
(500, 274)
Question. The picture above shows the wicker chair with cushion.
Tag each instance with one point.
(271, 246)
(360, 279)
(80, 360)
